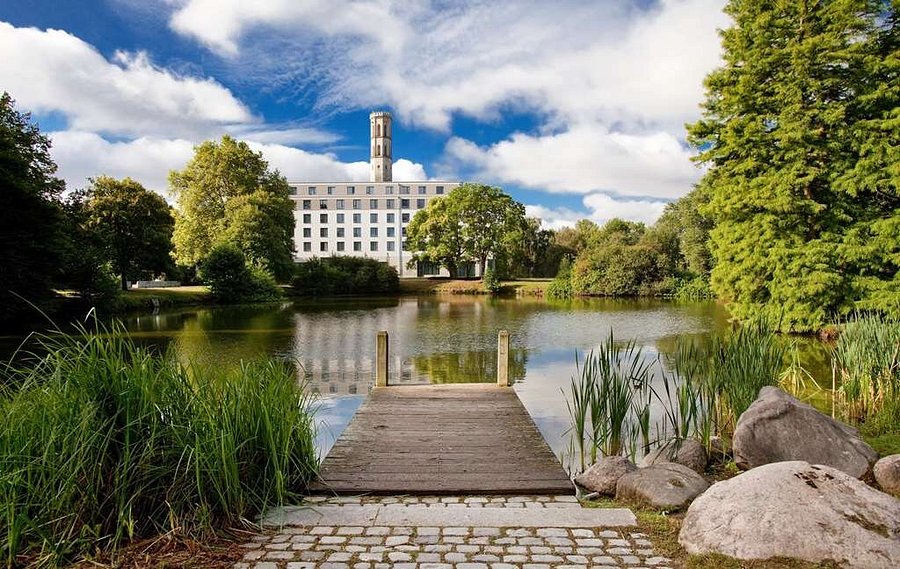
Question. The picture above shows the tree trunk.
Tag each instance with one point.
(124, 282)
(483, 265)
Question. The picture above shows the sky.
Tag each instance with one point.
(576, 108)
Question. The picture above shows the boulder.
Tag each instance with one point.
(887, 474)
(665, 486)
(603, 475)
(777, 427)
(795, 510)
(690, 453)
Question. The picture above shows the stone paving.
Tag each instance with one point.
(370, 533)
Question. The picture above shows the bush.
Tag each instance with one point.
(490, 282)
(696, 288)
(561, 287)
(105, 442)
(231, 279)
(345, 275)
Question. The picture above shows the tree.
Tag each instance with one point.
(231, 279)
(30, 234)
(133, 224)
(800, 130)
(227, 192)
(471, 223)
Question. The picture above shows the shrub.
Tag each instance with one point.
(105, 441)
(231, 279)
(344, 275)
(490, 282)
(561, 287)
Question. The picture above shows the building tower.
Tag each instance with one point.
(380, 122)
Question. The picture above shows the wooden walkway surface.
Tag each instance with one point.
(470, 439)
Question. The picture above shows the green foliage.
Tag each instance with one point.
(800, 132)
(227, 193)
(696, 288)
(471, 223)
(344, 275)
(105, 441)
(232, 280)
(133, 224)
(31, 235)
(490, 282)
(561, 287)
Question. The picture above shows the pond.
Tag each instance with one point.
(433, 339)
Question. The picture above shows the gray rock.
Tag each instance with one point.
(795, 510)
(887, 474)
(665, 486)
(719, 449)
(603, 475)
(690, 453)
(776, 428)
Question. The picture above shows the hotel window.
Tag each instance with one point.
(323, 246)
(405, 218)
(311, 190)
(370, 190)
(404, 203)
(390, 231)
(307, 246)
(373, 232)
(307, 232)
(357, 204)
(307, 204)
(420, 203)
(373, 245)
(357, 246)
(390, 246)
(422, 190)
(323, 232)
(357, 232)
(351, 190)
(323, 204)
(404, 189)
(340, 218)
(439, 190)
(323, 218)
(373, 204)
(307, 218)
(330, 190)
(404, 245)
(403, 231)
(357, 218)
(373, 218)
(340, 231)
(292, 190)
(390, 218)
(340, 246)
(339, 204)
(389, 204)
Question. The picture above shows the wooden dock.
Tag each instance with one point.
(471, 439)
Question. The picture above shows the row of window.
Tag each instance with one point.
(357, 218)
(357, 204)
(342, 246)
(357, 232)
(370, 190)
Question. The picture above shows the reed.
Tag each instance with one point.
(104, 441)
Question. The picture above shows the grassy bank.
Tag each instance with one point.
(105, 442)
(149, 298)
(520, 287)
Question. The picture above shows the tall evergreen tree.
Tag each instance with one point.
(786, 124)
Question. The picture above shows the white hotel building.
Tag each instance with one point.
(363, 219)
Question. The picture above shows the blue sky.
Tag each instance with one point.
(576, 108)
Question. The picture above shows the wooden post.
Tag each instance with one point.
(503, 358)
(381, 359)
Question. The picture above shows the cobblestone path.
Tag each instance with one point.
(527, 532)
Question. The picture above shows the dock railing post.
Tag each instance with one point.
(381, 359)
(503, 358)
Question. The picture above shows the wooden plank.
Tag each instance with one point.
(442, 439)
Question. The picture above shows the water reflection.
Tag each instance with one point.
(433, 339)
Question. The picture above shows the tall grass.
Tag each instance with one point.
(608, 402)
(866, 359)
(104, 441)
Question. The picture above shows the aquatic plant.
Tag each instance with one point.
(104, 441)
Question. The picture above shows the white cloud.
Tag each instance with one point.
(587, 158)
(600, 209)
(52, 70)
